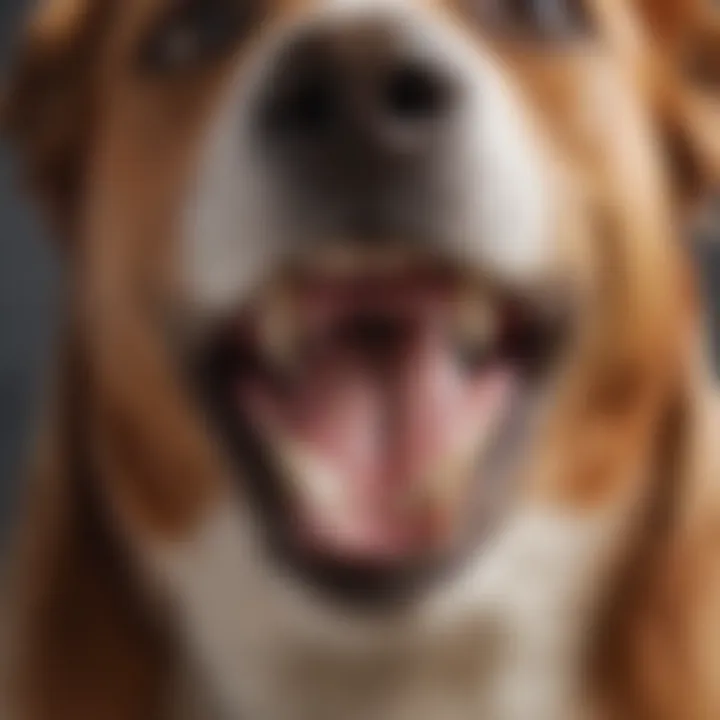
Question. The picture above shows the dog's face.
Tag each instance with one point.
(365, 281)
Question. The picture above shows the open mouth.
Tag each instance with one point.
(367, 404)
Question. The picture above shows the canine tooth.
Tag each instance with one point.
(309, 477)
(278, 329)
(476, 323)
(443, 484)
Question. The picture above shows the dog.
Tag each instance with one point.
(383, 390)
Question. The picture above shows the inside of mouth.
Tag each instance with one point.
(376, 399)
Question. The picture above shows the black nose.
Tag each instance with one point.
(357, 88)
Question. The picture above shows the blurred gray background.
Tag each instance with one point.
(28, 294)
(29, 299)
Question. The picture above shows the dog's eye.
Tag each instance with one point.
(193, 32)
(548, 20)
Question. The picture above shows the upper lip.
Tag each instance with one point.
(372, 302)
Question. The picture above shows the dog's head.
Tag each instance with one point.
(370, 278)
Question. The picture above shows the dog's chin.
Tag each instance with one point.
(374, 409)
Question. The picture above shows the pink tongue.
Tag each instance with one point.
(381, 434)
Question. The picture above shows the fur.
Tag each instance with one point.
(140, 588)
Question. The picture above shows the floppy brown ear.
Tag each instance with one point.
(685, 38)
(48, 101)
(82, 643)
(80, 646)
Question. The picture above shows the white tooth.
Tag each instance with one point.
(309, 477)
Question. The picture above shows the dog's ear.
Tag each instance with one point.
(47, 103)
(82, 640)
(685, 39)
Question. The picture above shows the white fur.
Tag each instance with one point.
(494, 211)
(503, 641)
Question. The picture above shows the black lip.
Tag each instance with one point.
(531, 343)
(351, 584)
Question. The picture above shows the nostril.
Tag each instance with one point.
(306, 97)
(309, 108)
(414, 92)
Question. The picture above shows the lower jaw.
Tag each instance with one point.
(365, 584)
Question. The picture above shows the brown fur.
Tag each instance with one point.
(633, 403)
